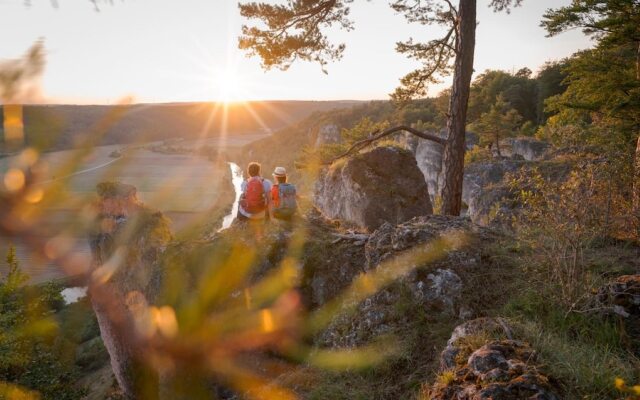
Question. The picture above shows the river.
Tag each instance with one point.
(42, 271)
(236, 180)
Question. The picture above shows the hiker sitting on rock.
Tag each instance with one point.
(283, 196)
(254, 200)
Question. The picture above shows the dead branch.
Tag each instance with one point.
(375, 136)
(352, 236)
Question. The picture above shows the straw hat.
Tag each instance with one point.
(280, 171)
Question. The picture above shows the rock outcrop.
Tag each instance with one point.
(487, 327)
(429, 158)
(329, 261)
(482, 175)
(489, 195)
(371, 188)
(483, 361)
(621, 296)
(527, 148)
(484, 189)
(328, 134)
(483, 181)
(126, 246)
(435, 287)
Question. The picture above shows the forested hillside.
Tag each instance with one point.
(501, 103)
(62, 126)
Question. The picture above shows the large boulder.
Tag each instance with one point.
(126, 245)
(371, 188)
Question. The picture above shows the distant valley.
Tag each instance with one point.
(65, 126)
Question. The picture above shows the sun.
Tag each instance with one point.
(228, 86)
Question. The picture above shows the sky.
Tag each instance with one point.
(186, 50)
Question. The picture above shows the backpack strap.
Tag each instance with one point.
(275, 194)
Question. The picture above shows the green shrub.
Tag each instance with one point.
(562, 219)
(477, 154)
(32, 355)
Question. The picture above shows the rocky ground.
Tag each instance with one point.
(439, 292)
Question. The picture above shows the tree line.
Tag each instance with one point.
(295, 31)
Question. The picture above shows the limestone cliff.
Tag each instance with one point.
(429, 158)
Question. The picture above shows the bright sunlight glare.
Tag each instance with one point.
(228, 86)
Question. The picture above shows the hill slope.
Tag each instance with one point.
(61, 126)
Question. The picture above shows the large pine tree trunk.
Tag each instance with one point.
(636, 166)
(638, 62)
(453, 159)
(636, 188)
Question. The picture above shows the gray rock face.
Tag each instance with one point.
(480, 176)
(493, 206)
(381, 185)
(125, 256)
(435, 287)
(529, 149)
(490, 198)
(328, 134)
(441, 289)
(429, 159)
(484, 189)
(408, 141)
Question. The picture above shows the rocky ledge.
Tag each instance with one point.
(434, 287)
(483, 361)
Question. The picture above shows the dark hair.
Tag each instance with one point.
(253, 169)
(281, 179)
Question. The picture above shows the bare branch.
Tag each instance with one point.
(375, 136)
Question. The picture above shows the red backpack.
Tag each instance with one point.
(254, 200)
